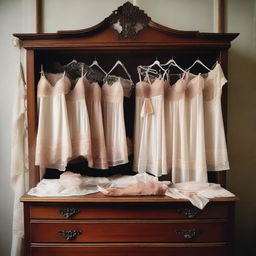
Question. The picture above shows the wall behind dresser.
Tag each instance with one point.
(18, 16)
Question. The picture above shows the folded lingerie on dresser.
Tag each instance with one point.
(139, 188)
(198, 193)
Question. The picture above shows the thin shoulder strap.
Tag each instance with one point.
(147, 76)
(118, 62)
(215, 64)
(165, 72)
(85, 73)
(42, 70)
(139, 70)
(64, 73)
(82, 71)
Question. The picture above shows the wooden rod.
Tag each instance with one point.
(39, 27)
(221, 15)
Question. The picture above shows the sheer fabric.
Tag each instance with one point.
(215, 142)
(176, 131)
(19, 163)
(79, 125)
(150, 140)
(93, 102)
(53, 144)
(114, 126)
(195, 128)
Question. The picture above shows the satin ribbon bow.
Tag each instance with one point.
(147, 108)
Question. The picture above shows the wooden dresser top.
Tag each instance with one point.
(99, 197)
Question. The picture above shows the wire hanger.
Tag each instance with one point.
(149, 68)
(199, 62)
(71, 62)
(157, 63)
(142, 69)
(172, 62)
(95, 63)
(118, 62)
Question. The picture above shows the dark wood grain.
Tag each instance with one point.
(105, 26)
(31, 112)
(130, 249)
(128, 211)
(26, 250)
(218, 227)
(135, 231)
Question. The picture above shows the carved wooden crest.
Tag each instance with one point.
(128, 20)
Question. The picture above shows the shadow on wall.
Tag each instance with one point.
(241, 145)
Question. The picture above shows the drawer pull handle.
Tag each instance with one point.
(188, 233)
(68, 212)
(69, 234)
(190, 212)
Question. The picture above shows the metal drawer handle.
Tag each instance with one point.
(69, 234)
(68, 212)
(190, 212)
(188, 233)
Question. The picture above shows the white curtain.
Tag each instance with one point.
(19, 162)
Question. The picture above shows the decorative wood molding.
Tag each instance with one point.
(188, 233)
(68, 212)
(128, 20)
(69, 234)
(128, 16)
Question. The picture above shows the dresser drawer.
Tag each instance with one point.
(129, 231)
(129, 249)
(127, 211)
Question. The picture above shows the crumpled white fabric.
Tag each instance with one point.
(198, 193)
(19, 163)
(88, 185)
(55, 188)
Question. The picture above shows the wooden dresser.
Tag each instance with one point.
(98, 225)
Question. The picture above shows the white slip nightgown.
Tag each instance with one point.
(150, 141)
(195, 128)
(113, 120)
(53, 142)
(93, 102)
(79, 125)
(176, 131)
(215, 142)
